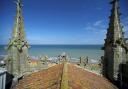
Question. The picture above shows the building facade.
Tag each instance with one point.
(16, 61)
(2, 78)
(115, 49)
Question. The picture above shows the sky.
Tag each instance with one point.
(61, 21)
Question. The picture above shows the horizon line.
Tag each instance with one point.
(60, 44)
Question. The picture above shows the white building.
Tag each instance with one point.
(2, 78)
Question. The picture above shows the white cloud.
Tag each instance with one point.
(98, 23)
(97, 31)
(97, 26)
(125, 24)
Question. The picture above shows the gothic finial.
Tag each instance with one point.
(113, 57)
(18, 3)
(113, 1)
(18, 35)
(18, 45)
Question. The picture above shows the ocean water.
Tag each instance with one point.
(74, 51)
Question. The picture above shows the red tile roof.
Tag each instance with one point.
(51, 78)
(82, 79)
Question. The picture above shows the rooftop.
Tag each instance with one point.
(64, 76)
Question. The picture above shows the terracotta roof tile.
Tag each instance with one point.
(77, 79)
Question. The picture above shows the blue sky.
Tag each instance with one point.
(61, 21)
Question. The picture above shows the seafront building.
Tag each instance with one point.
(65, 75)
(115, 47)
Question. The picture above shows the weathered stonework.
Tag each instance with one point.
(16, 61)
(83, 61)
(115, 45)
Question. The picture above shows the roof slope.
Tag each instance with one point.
(48, 78)
(64, 76)
(82, 79)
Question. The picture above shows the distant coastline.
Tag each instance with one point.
(59, 44)
(53, 50)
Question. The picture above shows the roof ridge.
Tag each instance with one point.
(64, 78)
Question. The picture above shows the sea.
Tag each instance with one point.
(74, 51)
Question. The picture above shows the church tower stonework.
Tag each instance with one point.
(115, 49)
(18, 46)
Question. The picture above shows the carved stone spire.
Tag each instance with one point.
(19, 25)
(114, 47)
(115, 29)
(18, 46)
(18, 35)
